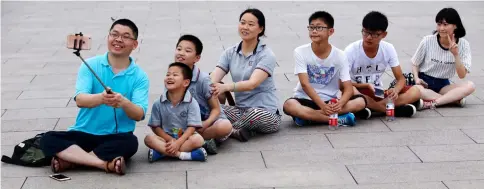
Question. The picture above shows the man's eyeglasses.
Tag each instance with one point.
(317, 28)
(123, 37)
(373, 35)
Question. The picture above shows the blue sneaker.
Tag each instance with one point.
(299, 122)
(153, 155)
(347, 120)
(199, 154)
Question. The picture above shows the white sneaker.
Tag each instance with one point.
(462, 102)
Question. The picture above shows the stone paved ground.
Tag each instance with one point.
(436, 149)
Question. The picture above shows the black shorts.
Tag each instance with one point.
(313, 105)
(106, 147)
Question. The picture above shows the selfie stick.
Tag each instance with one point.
(108, 90)
(79, 55)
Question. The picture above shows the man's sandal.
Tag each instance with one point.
(122, 166)
(62, 165)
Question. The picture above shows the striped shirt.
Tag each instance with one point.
(436, 61)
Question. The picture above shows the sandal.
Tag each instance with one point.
(62, 165)
(122, 166)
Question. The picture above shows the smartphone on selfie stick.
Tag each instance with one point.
(80, 42)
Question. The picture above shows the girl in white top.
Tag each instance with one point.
(439, 57)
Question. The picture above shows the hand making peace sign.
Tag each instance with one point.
(453, 46)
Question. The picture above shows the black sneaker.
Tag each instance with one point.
(365, 113)
(242, 135)
(418, 104)
(407, 110)
(210, 146)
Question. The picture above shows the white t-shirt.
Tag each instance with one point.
(324, 74)
(364, 69)
(437, 61)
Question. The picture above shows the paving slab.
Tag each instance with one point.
(135, 180)
(418, 185)
(436, 123)
(354, 140)
(41, 94)
(35, 103)
(348, 156)
(417, 172)
(10, 95)
(468, 184)
(28, 125)
(327, 175)
(16, 114)
(476, 134)
(13, 183)
(439, 153)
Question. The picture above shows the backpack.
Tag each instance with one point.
(409, 80)
(28, 153)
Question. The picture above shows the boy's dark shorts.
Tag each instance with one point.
(106, 147)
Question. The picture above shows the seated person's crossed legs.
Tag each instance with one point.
(305, 111)
(406, 104)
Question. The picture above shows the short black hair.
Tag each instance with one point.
(451, 16)
(375, 21)
(198, 44)
(261, 20)
(186, 71)
(324, 16)
(127, 23)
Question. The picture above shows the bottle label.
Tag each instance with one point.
(390, 112)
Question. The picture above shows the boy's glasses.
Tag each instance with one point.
(373, 35)
(317, 28)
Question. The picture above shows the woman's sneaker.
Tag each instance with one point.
(210, 146)
(347, 119)
(428, 104)
(199, 154)
(462, 102)
(243, 135)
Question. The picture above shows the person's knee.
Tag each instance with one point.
(415, 91)
(359, 103)
(150, 140)
(289, 106)
(224, 127)
(196, 140)
(470, 87)
(419, 87)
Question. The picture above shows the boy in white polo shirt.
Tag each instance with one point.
(368, 59)
(322, 70)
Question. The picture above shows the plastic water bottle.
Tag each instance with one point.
(390, 110)
(333, 118)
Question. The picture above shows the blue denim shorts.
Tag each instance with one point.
(435, 84)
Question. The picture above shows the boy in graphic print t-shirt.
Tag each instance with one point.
(368, 59)
(322, 70)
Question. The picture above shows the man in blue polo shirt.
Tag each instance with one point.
(103, 136)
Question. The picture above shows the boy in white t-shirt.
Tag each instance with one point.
(369, 58)
(322, 70)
